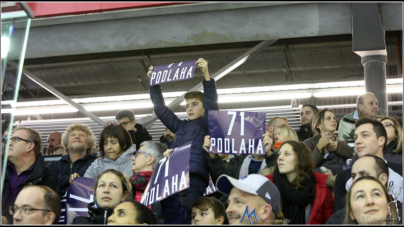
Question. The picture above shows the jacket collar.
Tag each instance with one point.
(97, 213)
(320, 179)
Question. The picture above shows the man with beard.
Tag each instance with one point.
(366, 108)
(55, 144)
(80, 141)
(306, 117)
(167, 138)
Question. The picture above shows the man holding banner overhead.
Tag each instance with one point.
(196, 127)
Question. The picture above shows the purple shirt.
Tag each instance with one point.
(16, 180)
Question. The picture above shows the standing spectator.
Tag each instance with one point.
(116, 151)
(306, 116)
(25, 166)
(194, 129)
(167, 138)
(305, 197)
(131, 213)
(80, 142)
(369, 203)
(55, 144)
(37, 205)
(143, 165)
(394, 148)
(327, 151)
(111, 188)
(137, 132)
(251, 193)
(366, 108)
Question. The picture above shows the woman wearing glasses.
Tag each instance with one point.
(394, 145)
(116, 151)
(112, 187)
(144, 162)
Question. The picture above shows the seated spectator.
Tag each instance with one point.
(208, 211)
(80, 142)
(305, 197)
(241, 165)
(116, 151)
(370, 138)
(167, 138)
(137, 132)
(306, 117)
(111, 188)
(251, 193)
(368, 165)
(276, 122)
(368, 202)
(394, 148)
(38, 205)
(55, 144)
(131, 213)
(144, 162)
(25, 166)
(327, 150)
(282, 134)
(366, 108)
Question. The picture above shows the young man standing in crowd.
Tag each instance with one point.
(370, 138)
(306, 118)
(366, 108)
(194, 129)
(25, 166)
(36, 205)
(80, 142)
(136, 131)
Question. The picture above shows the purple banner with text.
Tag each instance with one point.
(211, 188)
(172, 72)
(236, 132)
(170, 176)
(79, 195)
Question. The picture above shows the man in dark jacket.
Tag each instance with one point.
(80, 141)
(194, 129)
(25, 167)
(306, 118)
(167, 138)
(137, 131)
(368, 165)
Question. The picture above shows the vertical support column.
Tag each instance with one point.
(369, 43)
(375, 79)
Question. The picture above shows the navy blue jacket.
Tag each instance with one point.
(189, 130)
(64, 168)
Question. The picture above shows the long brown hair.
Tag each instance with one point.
(392, 207)
(399, 132)
(304, 162)
(318, 119)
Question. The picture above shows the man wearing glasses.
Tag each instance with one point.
(36, 205)
(137, 131)
(25, 167)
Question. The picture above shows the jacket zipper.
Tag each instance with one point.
(105, 217)
(71, 167)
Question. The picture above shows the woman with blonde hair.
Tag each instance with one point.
(368, 202)
(394, 144)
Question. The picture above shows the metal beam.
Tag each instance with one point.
(59, 94)
(149, 120)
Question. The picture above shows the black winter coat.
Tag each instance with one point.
(189, 130)
(63, 168)
(141, 135)
(40, 175)
(162, 140)
(96, 216)
(303, 135)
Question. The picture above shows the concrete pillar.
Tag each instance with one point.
(375, 79)
(369, 43)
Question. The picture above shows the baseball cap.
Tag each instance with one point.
(254, 184)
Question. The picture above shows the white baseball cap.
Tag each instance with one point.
(254, 184)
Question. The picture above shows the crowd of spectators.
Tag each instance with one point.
(307, 177)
